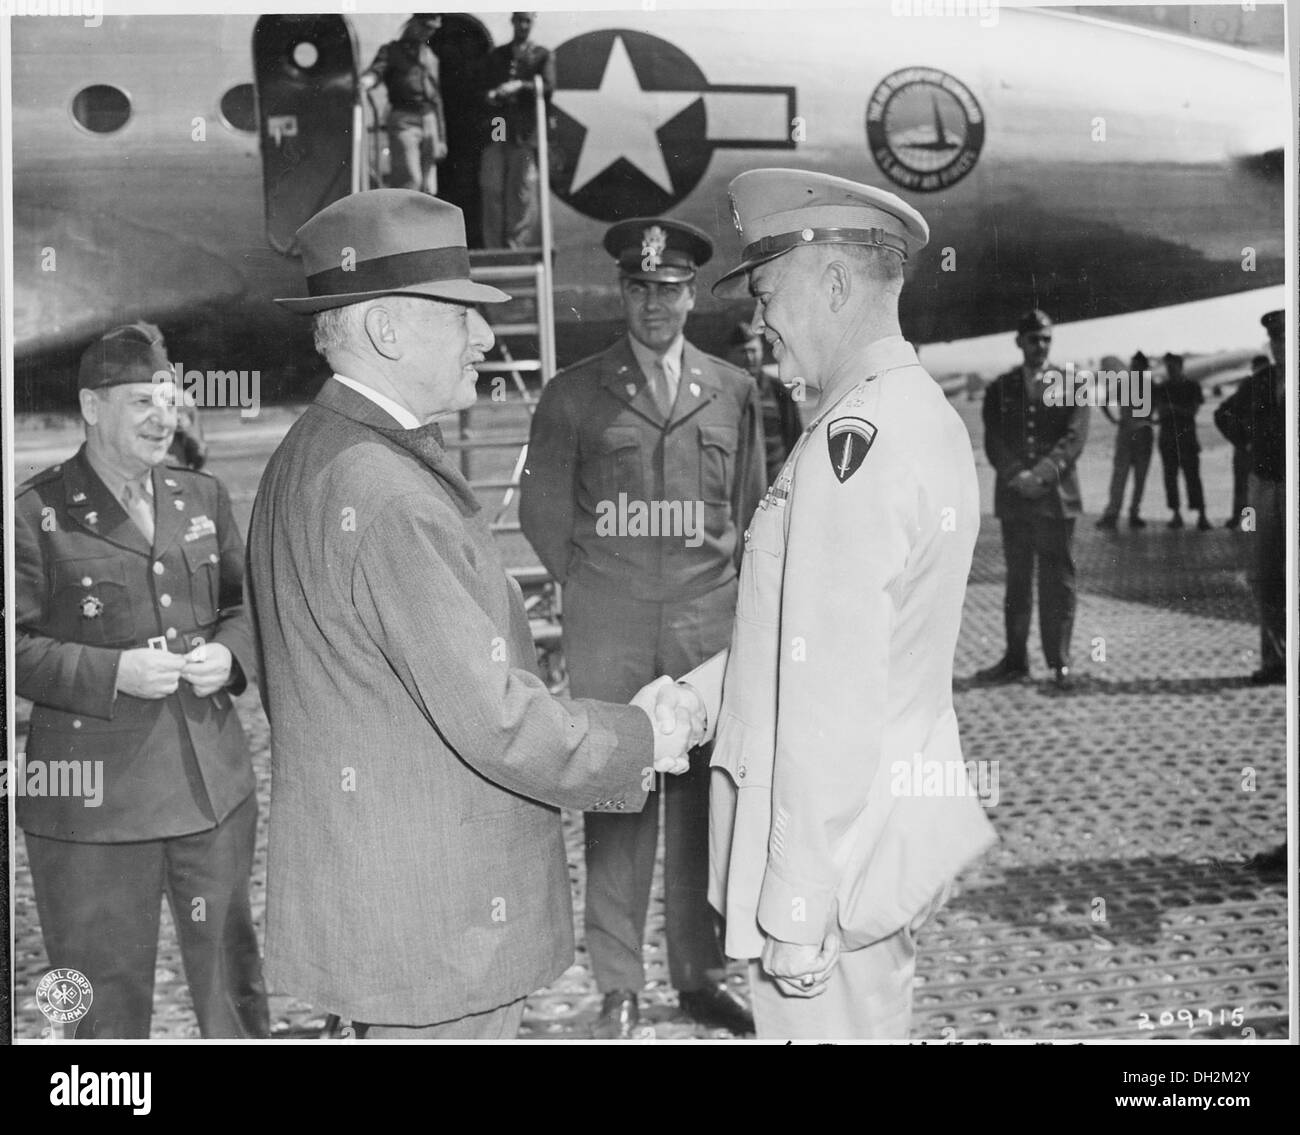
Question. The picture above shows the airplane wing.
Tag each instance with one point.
(75, 274)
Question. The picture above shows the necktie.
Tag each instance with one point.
(666, 385)
(139, 507)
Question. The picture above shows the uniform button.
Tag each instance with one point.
(86, 581)
(740, 772)
(165, 600)
(212, 557)
(171, 632)
(157, 567)
(180, 505)
(76, 723)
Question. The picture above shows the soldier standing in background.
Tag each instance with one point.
(1034, 445)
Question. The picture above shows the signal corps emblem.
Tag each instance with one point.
(849, 439)
(64, 996)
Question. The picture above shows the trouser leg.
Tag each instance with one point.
(1018, 548)
(1118, 474)
(492, 187)
(1268, 572)
(1169, 466)
(207, 885)
(609, 648)
(99, 905)
(1056, 588)
(1191, 460)
(1142, 444)
(523, 217)
(868, 997)
(1240, 479)
(404, 136)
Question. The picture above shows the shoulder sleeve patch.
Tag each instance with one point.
(848, 439)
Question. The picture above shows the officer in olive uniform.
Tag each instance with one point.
(1255, 418)
(131, 639)
(1033, 441)
(644, 466)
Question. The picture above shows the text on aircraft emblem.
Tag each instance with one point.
(924, 128)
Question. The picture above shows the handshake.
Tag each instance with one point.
(679, 720)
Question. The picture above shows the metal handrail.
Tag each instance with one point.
(546, 284)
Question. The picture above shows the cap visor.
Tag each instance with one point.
(453, 291)
(729, 285)
(662, 275)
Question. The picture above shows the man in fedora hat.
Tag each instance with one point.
(837, 688)
(650, 429)
(417, 882)
(132, 640)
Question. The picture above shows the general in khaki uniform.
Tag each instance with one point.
(116, 551)
(838, 681)
(644, 465)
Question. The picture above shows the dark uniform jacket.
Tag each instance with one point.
(416, 868)
(519, 110)
(1176, 404)
(1020, 433)
(598, 434)
(87, 587)
(1255, 418)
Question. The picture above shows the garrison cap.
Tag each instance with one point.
(655, 248)
(776, 210)
(134, 352)
(1033, 320)
(1274, 323)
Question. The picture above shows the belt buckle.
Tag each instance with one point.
(158, 642)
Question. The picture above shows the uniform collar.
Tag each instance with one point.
(623, 376)
(889, 353)
(114, 479)
(648, 359)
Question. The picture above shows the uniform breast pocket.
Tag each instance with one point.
(203, 559)
(618, 462)
(717, 462)
(92, 602)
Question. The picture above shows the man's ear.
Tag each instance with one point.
(381, 330)
(89, 406)
(690, 297)
(838, 282)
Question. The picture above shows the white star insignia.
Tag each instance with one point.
(622, 121)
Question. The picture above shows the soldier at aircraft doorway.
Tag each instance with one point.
(417, 129)
(511, 212)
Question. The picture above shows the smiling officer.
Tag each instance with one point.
(644, 465)
(131, 640)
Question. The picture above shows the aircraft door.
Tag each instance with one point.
(305, 70)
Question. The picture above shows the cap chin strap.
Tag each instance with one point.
(771, 246)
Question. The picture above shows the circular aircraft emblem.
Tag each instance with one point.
(637, 123)
(64, 996)
(924, 128)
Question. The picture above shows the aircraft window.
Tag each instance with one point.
(238, 110)
(101, 109)
(305, 55)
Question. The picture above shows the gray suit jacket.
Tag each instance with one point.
(417, 868)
